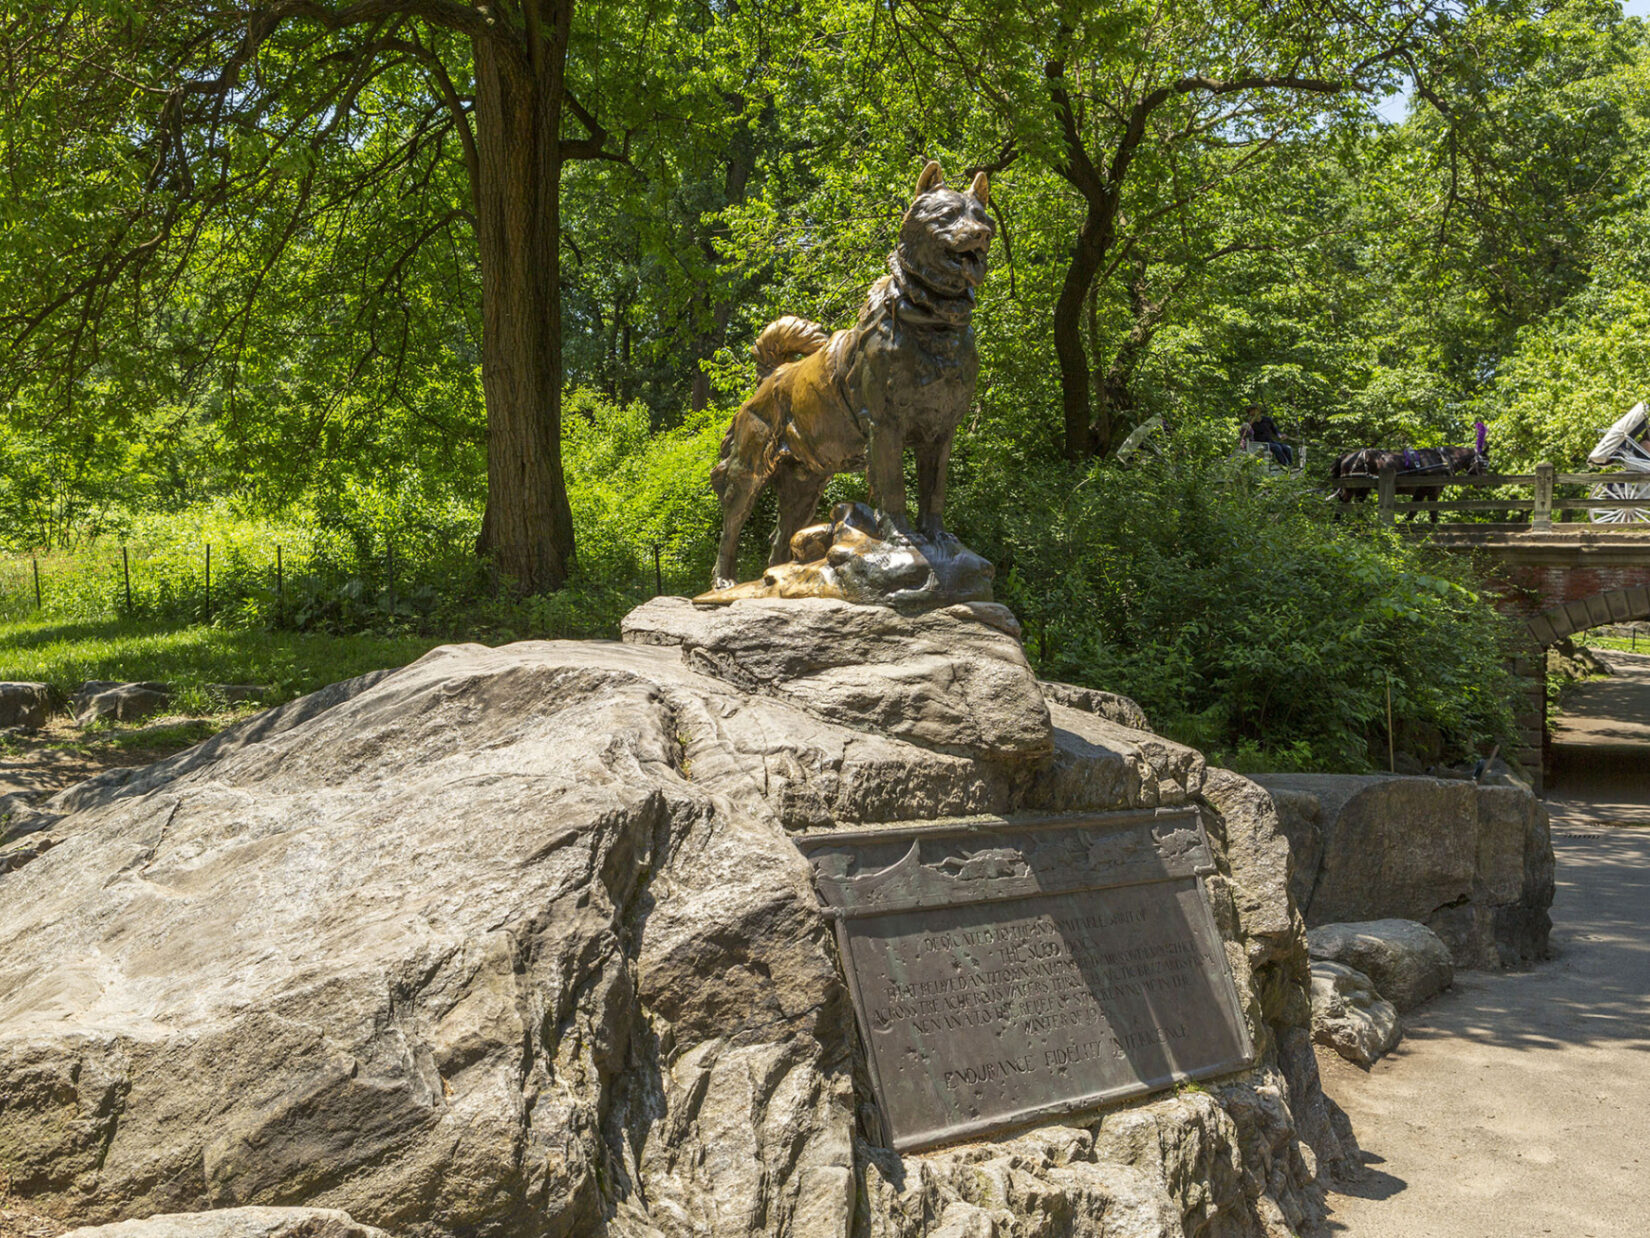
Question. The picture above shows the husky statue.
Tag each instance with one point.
(902, 375)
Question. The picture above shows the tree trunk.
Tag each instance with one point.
(741, 164)
(1068, 339)
(704, 347)
(1114, 388)
(528, 525)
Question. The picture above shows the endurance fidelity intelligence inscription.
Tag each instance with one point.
(1004, 971)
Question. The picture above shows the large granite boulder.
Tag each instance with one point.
(237, 1223)
(1473, 863)
(1244, 824)
(513, 942)
(1407, 962)
(1349, 1015)
(955, 680)
(24, 703)
(1109, 705)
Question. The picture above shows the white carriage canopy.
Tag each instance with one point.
(1620, 443)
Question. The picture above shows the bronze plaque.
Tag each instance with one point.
(1007, 971)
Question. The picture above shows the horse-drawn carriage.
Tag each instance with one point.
(1260, 439)
(1624, 445)
(1426, 469)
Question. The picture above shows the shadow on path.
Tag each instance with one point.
(1519, 1102)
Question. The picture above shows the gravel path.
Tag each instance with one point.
(1601, 748)
(1518, 1103)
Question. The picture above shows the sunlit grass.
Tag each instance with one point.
(1636, 643)
(66, 653)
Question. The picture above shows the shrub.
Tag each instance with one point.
(1244, 619)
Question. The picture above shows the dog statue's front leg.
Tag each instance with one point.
(738, 497)
(885, 474)
(932, 459)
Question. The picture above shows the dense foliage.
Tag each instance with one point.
(266, 325)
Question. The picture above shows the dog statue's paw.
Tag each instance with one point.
(897, 524)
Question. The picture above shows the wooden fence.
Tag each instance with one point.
(1541, 504)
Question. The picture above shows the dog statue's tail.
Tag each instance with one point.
(786, 339)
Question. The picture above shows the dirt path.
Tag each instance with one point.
(36, 764)
(1518, 1104)
(1601, 748)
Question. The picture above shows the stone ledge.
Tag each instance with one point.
(953, 680)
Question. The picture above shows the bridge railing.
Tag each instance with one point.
(1541, 504)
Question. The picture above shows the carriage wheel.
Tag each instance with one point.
(1621, 490)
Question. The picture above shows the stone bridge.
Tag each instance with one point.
(1555, 581)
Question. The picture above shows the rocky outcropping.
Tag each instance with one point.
(1350, 1016)
(102, 699)
(1407, 962)
(954, 680)
(23, 703)
(513, 942)
(1473, 863)
(1109, 705)
(237, 1223)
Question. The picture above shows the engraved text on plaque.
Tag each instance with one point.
(1003, 971)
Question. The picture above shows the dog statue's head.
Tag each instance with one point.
(944, 236)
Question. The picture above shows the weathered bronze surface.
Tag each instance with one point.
(1008, 971)
(902, 375)
(859, 558)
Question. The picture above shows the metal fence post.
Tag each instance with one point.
(208, 582)
(1386, 489)
(37, 584)
(126, 571)
(1541, 515)
(280, 589)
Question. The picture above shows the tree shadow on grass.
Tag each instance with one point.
(75, 630)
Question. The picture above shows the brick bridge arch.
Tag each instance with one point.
(1555, 581)
(1621, 605)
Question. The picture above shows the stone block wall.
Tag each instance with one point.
(1473, 863)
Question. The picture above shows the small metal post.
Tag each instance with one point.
(1391, 748)
(280, 589)
(1386, 488)
(126, 571)
(389, 561)
(1541, 516)
(208, 582)
(37, 584)
(658, 572)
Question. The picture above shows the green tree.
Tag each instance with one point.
(1108, 100)
(140, 142)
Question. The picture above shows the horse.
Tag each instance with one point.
(1440, 462)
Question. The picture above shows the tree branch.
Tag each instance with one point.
(594, 146)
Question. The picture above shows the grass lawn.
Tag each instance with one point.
(1626, 644)
(66, 652)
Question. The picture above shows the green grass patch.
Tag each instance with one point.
(66, 653)
(1626, 644)
(171, 736)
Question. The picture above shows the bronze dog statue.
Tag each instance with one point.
(903, 374)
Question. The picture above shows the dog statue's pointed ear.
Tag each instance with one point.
(980, 190)
(933, 175)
